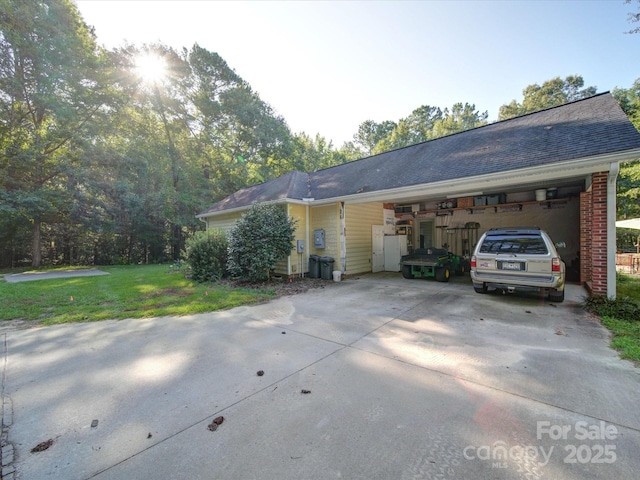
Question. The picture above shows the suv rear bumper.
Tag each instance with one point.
(553, 282)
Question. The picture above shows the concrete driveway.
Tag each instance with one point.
(407, 379)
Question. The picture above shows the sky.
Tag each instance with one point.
(328, 66)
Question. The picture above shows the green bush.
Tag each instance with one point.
(621, 308)
(263, 236)
(206, 254)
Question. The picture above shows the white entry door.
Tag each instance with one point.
(377, 247)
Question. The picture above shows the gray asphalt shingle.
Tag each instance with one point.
(585, 128)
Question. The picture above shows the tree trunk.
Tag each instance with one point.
(36, 252)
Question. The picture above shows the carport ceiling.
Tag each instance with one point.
(516, 188)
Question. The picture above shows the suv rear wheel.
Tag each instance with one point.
(482, 289)
(556, 296)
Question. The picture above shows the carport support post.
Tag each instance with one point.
(611, 229)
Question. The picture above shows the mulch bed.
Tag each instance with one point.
(283, 287)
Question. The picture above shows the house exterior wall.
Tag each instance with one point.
(224, 222)
(326, 217)
(358, 221)
(296, 263)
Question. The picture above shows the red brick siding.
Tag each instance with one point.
(593, 235)
(585, 238)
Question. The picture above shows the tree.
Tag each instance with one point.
(312, 154)
(551, 93)
(629, 100)
(370, 133)
(628, 192)
(49, 94)
(460, 118)
(633, 18)
(427, 123)
(261, 237)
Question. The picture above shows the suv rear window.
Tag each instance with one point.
(524, 244)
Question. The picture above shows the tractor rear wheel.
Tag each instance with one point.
(406, 271)
(443, 274)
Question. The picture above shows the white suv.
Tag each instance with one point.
(519, 258)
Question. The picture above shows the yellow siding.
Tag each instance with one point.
(358, 221)
(294, 262)
(298, 263)
(328, 219)
(224, 222)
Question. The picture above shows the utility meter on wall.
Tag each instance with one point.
(300, 246)
(318, 238)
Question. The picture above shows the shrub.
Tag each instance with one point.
(206, 254)
(263, 236)
(621, 308)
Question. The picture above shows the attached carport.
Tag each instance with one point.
(556, 199)
(570, 154)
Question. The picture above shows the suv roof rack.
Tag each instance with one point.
(514, 230)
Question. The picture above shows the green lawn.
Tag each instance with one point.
(127, 292)
(622, 317)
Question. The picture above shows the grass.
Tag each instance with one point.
(628, 286)
(127, 292)
(621, 316)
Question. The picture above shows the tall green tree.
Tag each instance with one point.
(428, 122)
(370, 133)
(629, 178)
(312, 154)
(50, 92)
(551, 93)
(461, 117)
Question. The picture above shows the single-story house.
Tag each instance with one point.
(555, 169)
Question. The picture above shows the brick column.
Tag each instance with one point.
(599, 233)
(586, 273)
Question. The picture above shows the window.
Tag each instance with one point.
(511, 244)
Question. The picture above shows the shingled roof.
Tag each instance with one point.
(581, 129)
(292, 185)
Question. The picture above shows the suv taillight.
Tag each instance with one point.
(555, 264)
(473, 261)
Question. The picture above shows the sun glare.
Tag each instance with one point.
(151, 68)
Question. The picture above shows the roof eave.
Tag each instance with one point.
(278, 201)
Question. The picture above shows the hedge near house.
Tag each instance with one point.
(206, 254)
(263, 236)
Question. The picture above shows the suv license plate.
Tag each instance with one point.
(512, 266)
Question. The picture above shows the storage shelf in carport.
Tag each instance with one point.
(449, 211)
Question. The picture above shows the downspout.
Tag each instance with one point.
(307, 237)
(343, 239)
(611, 229)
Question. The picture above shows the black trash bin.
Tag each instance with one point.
(326, 267)
(314, 266)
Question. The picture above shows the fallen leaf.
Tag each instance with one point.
(213, 426)
(42, 446)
